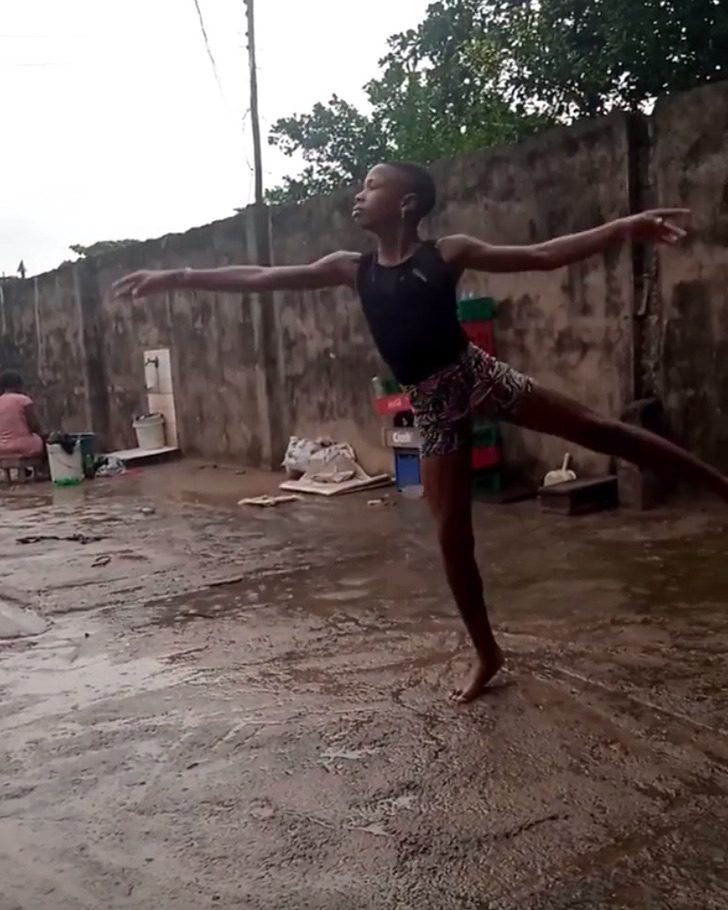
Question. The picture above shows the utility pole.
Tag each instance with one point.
(262, 304)
(254, 117)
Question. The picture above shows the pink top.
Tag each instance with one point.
(15, 435)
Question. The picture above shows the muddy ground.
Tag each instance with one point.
(248, 708)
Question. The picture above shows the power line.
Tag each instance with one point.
(48, 63)
(218, 81)
(209, 51)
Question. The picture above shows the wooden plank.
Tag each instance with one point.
(579, 497)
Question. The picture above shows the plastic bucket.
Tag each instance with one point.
(150, 431)
(64, 467)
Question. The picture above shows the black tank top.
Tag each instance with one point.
(412, 312)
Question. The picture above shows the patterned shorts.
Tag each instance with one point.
(444, 404)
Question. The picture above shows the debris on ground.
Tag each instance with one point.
(72, 538)
(222, 467)
(299, 453)
(100, 561)
(266, 502)
(417, 491)
(328, 468)
(109, 466)
(148, 510)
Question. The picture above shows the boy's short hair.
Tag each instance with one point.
(421, 184)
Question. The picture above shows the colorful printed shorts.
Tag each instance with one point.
(444, 404)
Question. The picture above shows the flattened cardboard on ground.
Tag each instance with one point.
(336, 489)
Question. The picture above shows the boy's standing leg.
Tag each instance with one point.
(448, 490)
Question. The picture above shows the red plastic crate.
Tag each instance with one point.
(481, 335)
(486, 457)
(387, 405)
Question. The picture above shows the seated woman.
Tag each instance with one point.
(20, 435)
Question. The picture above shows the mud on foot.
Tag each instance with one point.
(483, 672)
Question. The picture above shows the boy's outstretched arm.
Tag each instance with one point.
(655, 226)
(334, 270)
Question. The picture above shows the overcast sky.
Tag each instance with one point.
(113, 125)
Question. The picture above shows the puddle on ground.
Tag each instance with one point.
(340, 593)
(14, 503)
(51, 681)
(664, 575)
(329, 755)
(595, 572)
(342, 596)
(17, 622)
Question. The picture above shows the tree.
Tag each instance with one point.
(338, 144)
(101, 246)
(433, 99)
(477, 73)
(574, 58)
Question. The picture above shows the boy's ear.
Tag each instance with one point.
(409, 205)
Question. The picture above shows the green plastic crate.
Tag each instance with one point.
(488, 482)
(476, 309)
(485, 433)
(391, 387)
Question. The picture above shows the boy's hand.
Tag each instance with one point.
(656, 226)
(145, 282)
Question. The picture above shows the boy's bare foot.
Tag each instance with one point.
(483, 672)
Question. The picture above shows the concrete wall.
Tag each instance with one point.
(690, 168)
(42, 336)
(325, 356)
(214, 343)
(249, 372)
(570, 329)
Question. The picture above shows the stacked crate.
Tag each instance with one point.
(393, 406)
(476, 316)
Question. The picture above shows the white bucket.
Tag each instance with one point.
(64, 466)
(150, 431)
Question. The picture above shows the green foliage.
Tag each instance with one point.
(478, 73)
(574, 58)
(338, 144)
(101, 246)
(434, 98)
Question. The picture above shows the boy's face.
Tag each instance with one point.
(383, 199)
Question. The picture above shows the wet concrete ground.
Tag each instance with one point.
(248, 709)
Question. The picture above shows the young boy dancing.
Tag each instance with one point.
(407, 288)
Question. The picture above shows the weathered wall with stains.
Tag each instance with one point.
(690, 168)
(43, 338)
(325, 356)
(249, 372)
(215, 346)
(570, 329)
(244, 383)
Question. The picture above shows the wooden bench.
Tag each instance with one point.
(580, 497)
(22, 470)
